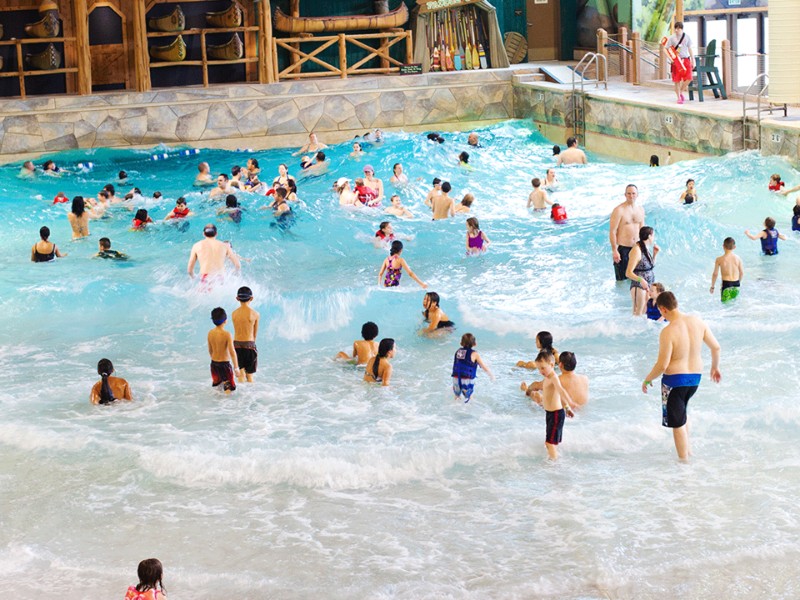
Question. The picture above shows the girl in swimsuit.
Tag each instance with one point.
(434, 315)
(141, 220)
(393, 266)
(283, 177)
(476, 239)
(379, 370)
(44, 250)
(640, 269)
(357, 151)
(109, 388)
(149, 586)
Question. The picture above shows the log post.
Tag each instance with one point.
(602, 49)
(623, 56)
(80, 16)
(204, 57)
(663, 59)
(727, 70)
(265, 46)
(636, 47)
(409, 48)
(343, 55)
(679, 10)
(20, 69)
(294, 9)
(141, 61)
(384, 44)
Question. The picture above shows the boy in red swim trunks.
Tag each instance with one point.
(681, 68)
(220, 347)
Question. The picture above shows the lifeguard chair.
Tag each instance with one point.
(706, 69)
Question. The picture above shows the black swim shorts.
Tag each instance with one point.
(676, 391)
(621, 267)
(555, 424)
(247, 356)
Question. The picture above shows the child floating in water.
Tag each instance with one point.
(104, 250)
(652, 295)
(220, 348)
(730, 267)
(538, 197)
(181, 211)
(150, 586)
(109, 389)
(231, 210)
(558, 213)
(775, 183)
(245, 330)
(385, 233)
(60, 198)
(689, 195)
(141, 220)
(465, 368)
(769, 237)
(476, 239)
(379, 370)
(365, 348)
(393, 266)
(555, 401)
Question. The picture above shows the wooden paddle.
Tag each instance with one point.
(432, 35)
(468, 50)
(481, 50)
(456, 53)
(476, 63)
(457, 25)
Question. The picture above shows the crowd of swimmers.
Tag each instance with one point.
(234, 357)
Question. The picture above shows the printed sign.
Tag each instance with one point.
(412, 69)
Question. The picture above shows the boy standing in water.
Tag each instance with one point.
(730, 267)
(245, 330)
(220, 348)
(538, 197)
(556, 402)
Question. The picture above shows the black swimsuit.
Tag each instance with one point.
(39, 257)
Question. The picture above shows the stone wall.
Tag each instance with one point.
(205, 115)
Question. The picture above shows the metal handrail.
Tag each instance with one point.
(757, 107)
(629, 51)
(593, 57)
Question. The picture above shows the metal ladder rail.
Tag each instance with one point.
(578, 112)
(745, 123)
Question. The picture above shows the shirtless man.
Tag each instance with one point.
(623, 230)
(473, 140)
(223, 188)
(204, 175)
(572, 155)
(212, 254)
(680, 363)
(443, 205)
(436, 191)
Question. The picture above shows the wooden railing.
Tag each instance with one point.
(21, 72)
(299, 57)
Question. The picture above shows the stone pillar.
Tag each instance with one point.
(784, 48)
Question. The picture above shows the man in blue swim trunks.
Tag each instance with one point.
(679, 364)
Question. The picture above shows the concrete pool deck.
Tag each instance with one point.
(625, 120)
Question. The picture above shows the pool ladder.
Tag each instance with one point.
(579, 99)
(749, 142)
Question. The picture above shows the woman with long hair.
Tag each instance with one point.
(640, 268)
(379, 369)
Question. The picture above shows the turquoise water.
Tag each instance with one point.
(310, 482)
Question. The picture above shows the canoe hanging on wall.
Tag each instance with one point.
(175, 21)
(46, 27)
(230, 17)
(395, 18)
(233, 49)
(46, 60)
(174, 52)
(1, 31)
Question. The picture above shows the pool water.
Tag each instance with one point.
(311, 483)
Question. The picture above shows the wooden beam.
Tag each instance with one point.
(679, 10)
(81, 18)
(141, 59)
(265, 45)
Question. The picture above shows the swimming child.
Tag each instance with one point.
(654, 161)
(465, 204)
(180, 211)
(544, 341)
(104, 250)
(775, 183)
(397, 209)
(555, 401)
(141, 220)
(558, 213)
(357, 151)
(60, 198)
(122, 178)
(27, 170)
(231, 209)
(476, 239)
(385, 233)
(220, 348)
(730, 267)
(652, 295)
(109, 388)
(538, 197)
(150, 586)
(434, 315)
(465, 367)
(463, 161)
(796, 217)
(393, 266)
(365, 348)
(245, 330)
(689, 195)
(769, 237)
(379, 369)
